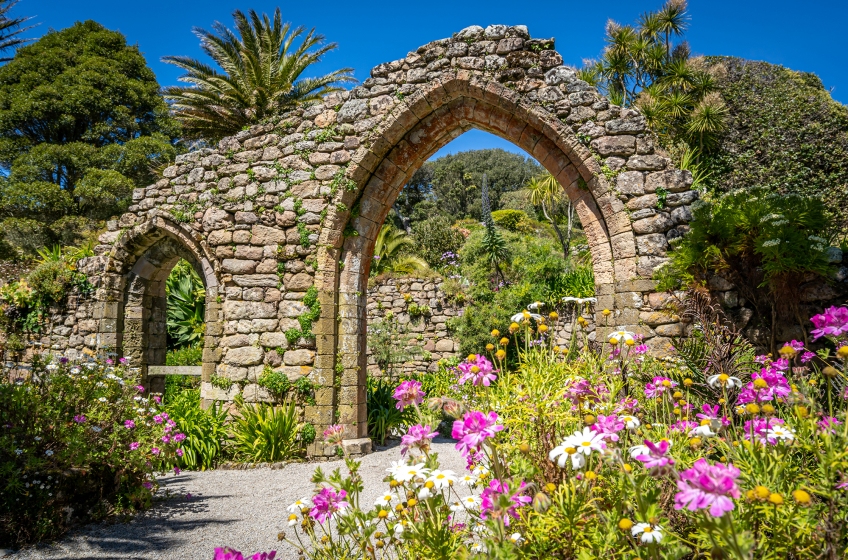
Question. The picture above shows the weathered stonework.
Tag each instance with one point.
(296, 204)
(428, 329)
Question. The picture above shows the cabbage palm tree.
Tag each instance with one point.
(262, 75)
(389, 253)
(546, 193)
(10, 29)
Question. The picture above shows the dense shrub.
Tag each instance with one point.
(434, 238)
(205, 430)
(79, 441)
(785, 133)
(383, 416)
(512, 220)
(264, 433)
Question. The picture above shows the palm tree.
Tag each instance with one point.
(389, 253)
(546, 192)
(10, 28)
(262, 75)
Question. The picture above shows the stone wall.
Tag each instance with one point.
(428, 330)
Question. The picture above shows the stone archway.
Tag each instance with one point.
(499, 80)
(134, 315)
(281, 218)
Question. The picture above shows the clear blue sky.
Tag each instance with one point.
(809, 36)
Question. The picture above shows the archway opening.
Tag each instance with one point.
(473, 237)
(185, 299)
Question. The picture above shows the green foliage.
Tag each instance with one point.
(455, 181)
(81, 124)
(280, 386)
(391, 253)
(785, 133)
(66, 453)
(191, 355)
(221, 382)
(383, 415)
(513, 220)
(579, 283)
(435, 237)
(263, 433)
(186, 300)
(390, 344)
(204, 429)
(416, 310)
(263, 75)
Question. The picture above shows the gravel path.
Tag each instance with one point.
(241, 509)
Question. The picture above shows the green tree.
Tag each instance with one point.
(10, 28)
(262, 75)
(81, 124)
(391, 253)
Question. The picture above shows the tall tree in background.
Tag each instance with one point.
(676, 93)
(547, 193)
(81, 124)
(11, 28)
(263, 75)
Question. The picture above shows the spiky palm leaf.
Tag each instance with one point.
(262, 75)
(10, 28)
(390, 255)
(186, 306)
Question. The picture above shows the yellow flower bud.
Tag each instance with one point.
(429, 484)
(802, 497)
(471, 357)
(768, 409)
(787, 352)
(553, 316)
(842, 352)
(543, 328)
(688, 382)
(550, 487)
(589, 419)
(627, 468)
(830, 371)
(411, 502)
(383, 514)
(590, 475)
(504, 341)
(606, 312)
(760, 383)
(500, 354)
(490, 347)
(761, 492)
(666, 383)
(496, 333)
(524, 448)
(752, 408)
(695, 442)
(776, 499)
(677, 395)
(625, 524)
(802, 411)
(513, 327)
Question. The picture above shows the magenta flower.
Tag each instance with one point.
(767, 385)
(231, 554)
(796, 345)
(157, 419)
(479, 371)
(828, 423)
(177, 470)
(806, 357)
(129, 424)
(179, 452)
(166, 439)
(139, 388)
(334, 434)
(658, 386)
(833, 322)
(705, 486)
(327, 503)
(157, 399)
(608, 426)
(628, 405)
(640, 349)
(418, 437)
(134, 445)
(712, 412)
(179, 437)
(79, 419)
(493, 502)
(408, 393)
(684, 426)
(155, 451)
(473, 430)
(656, 460)
(147, 485)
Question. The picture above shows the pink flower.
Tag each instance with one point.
(408, 393)
(157, 399)
(179, 437)
(828, 423)
(129, 424)
(177, 470)
(806, 357)
(711, 412)
(658, 386)
(326, 503)
(179, 452)
(640, 349)
(833, 322)
(473, 429)
(758, 429)
(417, 437)
(796, 345)
(656, 459)
(79, 419)
(264, 555)
(704, 486)
(134, 445)
(147, 485)
(479, 371)
(628, 405)
(334, 434)
(608, 426)
(139, 388)
(495, 500)
(166, 439)
(155, 451)
(767, 385)
(157, 419)
(227, 554)
(683, 426)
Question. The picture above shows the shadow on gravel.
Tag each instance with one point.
(155, 530)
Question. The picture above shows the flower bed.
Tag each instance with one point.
(719, 454)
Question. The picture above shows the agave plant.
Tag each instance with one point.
(264, 433)
(390, 255)
(186, 298)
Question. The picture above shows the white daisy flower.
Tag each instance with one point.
(442, 479)
(471, 502)
(384, 500)
(299, 505)
(649, 533)
(516, 538)
(292, 520)
(102, 399)
(562, 453)
(411, 472)
(468, 480)
(781, 432)
(621, 337)
(704, 430)
(630, 422)
(480, 471)
(424, 493)
(585, 441)
(478, 547)
(724, 379)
